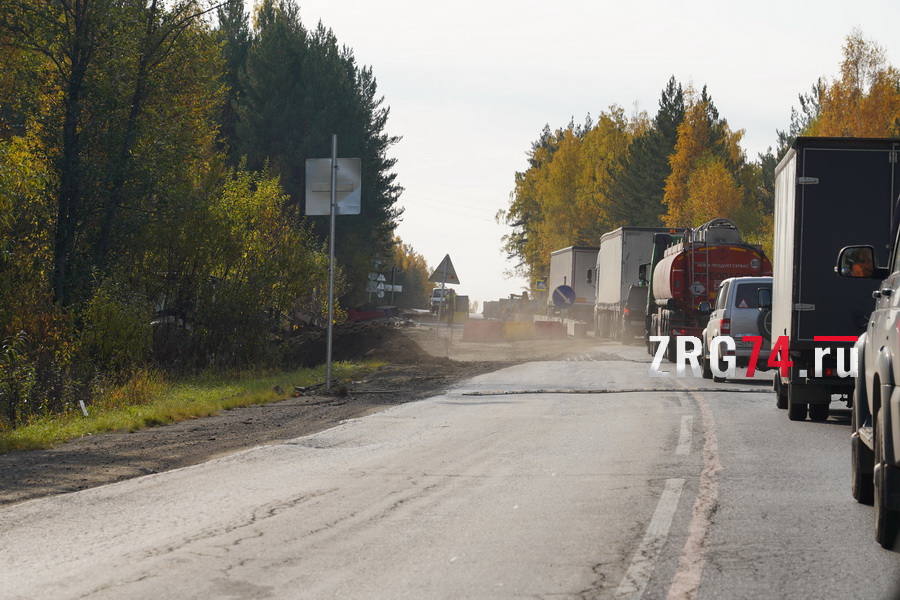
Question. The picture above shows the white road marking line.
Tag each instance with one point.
(684, 440)
(635, 580)
(686, 582)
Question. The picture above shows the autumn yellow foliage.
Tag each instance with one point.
(701, 186)
(865, 100)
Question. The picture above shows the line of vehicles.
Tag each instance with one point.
(832, 291)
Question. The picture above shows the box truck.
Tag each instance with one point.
(829, 193)
(574, 267)
(622, 263)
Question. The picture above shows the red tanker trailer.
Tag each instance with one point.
(688, 272)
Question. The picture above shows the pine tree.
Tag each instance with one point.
(299, 87)
(707, 167)
(233, 34)
(637, 189)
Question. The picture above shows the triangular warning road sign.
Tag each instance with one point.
(445, 273)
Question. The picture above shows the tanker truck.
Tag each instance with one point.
(686, 272)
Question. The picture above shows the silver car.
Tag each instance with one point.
(737, 313)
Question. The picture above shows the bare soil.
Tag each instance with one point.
(421, 362)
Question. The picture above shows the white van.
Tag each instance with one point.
(737, 314)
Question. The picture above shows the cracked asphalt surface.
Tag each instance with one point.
(422, 362)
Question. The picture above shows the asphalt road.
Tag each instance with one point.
(573, 479)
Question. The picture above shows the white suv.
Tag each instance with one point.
(738, 314)
(875, 424)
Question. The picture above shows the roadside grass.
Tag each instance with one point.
(148, 400)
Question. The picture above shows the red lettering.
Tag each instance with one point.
(754, 354)
(783, 362)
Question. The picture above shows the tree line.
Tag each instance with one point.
(682, 167)
(152, 161)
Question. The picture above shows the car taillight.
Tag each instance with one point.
(625, 311)
(726, 326)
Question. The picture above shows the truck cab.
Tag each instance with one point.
(634, 313)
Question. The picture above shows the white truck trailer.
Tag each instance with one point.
(622, 253)
(574, 267)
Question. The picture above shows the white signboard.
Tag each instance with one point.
(318, 186)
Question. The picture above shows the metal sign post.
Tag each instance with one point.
(343, 198)
(443, 294)
(331, 264)
(447, 275)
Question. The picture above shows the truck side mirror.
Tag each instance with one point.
(764, 298)
(642, 272)
(705, 307)
(858, 262)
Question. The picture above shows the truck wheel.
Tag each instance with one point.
(704, 364)
(796, 410)
(671, 351)
(818, 412)
(652, 346)
(721, 366)
(781, 397)
(887, 522)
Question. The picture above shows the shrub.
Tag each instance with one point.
(116, 333)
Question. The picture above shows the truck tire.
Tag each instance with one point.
(654, 330)
(819, 400)
(664, 331)
(704, 364)
(781, 397)
(671, 350)
(796, 410)
(887, 522)
(818, 412)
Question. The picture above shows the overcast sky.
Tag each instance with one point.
(470, 85)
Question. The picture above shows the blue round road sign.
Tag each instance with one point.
(564, 297)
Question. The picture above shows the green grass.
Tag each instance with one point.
(147, 400)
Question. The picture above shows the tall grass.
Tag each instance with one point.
(148, 400)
